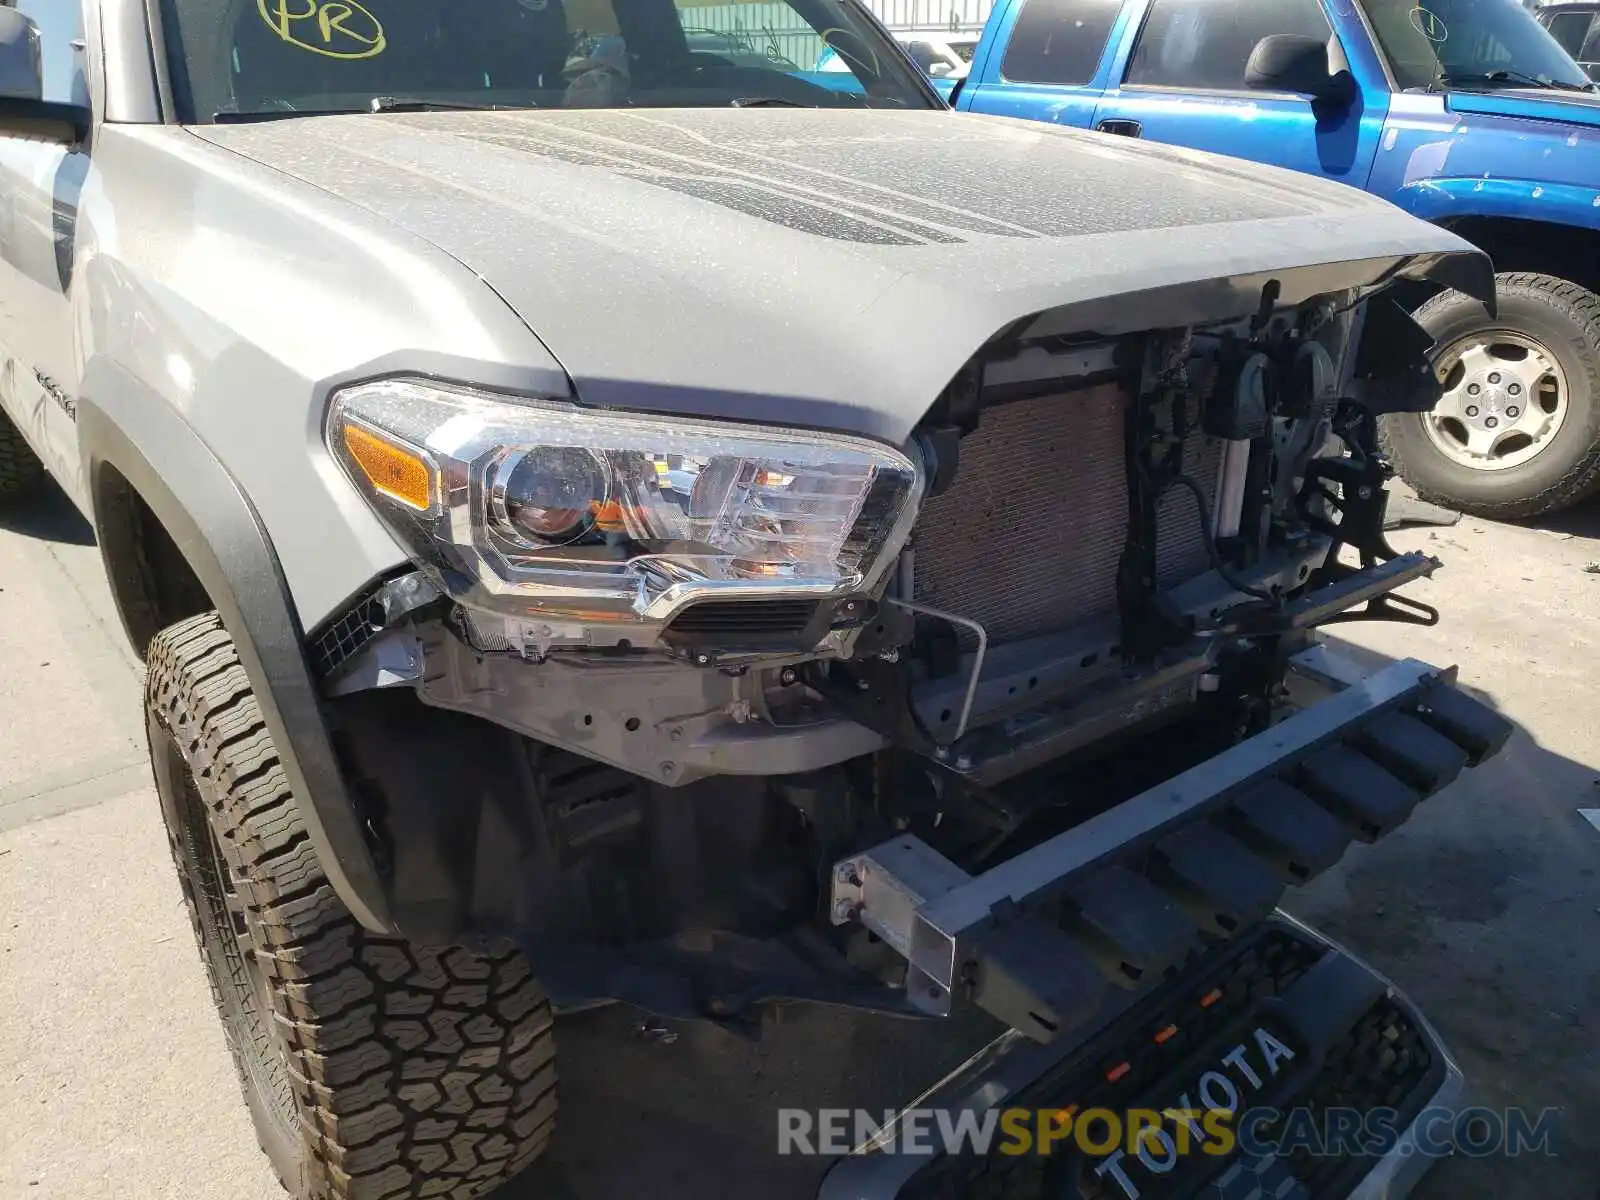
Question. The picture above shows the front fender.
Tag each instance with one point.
(1453, 198)
(128, 433)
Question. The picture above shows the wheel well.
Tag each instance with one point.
(1565, 251)
(151, 581)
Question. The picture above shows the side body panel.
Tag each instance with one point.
(1270, 127)
(1442, 160)
(41, 187)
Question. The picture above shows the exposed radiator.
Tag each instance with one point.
(1028, 539)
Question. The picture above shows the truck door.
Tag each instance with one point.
(1044, 61)
(40, 185)
(1181, 79)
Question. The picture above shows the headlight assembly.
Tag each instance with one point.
(530, 507)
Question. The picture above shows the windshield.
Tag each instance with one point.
(1470, 43)
(234, 59)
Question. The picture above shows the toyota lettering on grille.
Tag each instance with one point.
(1223, 1088)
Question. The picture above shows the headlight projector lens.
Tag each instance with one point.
(549, 495)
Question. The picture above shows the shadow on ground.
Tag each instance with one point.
(1485, 909)
(1582, 520)
(698, 1117)
(48, 517)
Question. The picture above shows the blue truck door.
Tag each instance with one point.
(1181, 79)
(1044, 60)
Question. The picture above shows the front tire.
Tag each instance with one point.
(1518, 432)
(372, 1068)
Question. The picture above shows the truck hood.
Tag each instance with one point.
(832, 268)
(1572, 108)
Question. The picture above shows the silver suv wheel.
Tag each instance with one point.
(1506, 399)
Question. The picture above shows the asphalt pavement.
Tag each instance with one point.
(114, 1082)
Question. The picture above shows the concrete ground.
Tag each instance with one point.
(114, 1081)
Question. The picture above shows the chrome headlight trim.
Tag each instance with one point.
(830, 512)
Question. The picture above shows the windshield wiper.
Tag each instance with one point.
(419, 104)
(834, 100)
(1462, 78)
(768, 101)
(378, 104)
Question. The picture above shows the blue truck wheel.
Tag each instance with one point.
(1517, 433)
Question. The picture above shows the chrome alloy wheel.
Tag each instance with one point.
(1505, 400)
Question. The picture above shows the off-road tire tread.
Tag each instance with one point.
(1583, 477)
(21, 472)
(418, 1072)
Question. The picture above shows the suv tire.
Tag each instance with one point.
(1560, 319)
(21, 472)
(371, 1067)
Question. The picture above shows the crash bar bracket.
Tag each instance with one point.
(884, 888)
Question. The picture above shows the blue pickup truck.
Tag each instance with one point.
(1467, 112)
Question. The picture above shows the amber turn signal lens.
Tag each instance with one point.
(397, 472)
(607, 517)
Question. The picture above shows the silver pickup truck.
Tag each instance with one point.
(608, 523)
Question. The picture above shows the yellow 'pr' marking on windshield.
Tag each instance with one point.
(1430, 25)
(331, 28)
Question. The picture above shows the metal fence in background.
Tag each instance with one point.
(954, 15)
(776, 29)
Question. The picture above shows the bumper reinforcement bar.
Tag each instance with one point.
(1131, 894)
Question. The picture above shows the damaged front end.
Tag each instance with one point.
(708, 715)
